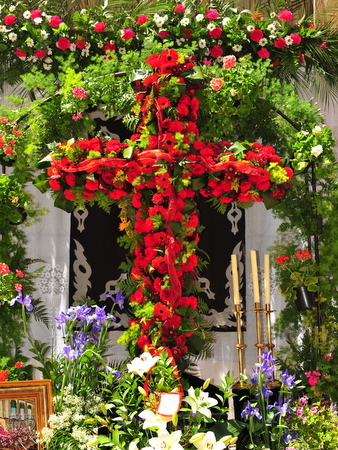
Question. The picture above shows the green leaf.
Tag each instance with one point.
(195, 344)
(44, 162)
(128, 152)
(3, 47)
(175, 227)
(232, 426)
(269, 201)
(62, 203)
(199, 183)
(41, 182)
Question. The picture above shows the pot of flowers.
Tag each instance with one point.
(299, 278)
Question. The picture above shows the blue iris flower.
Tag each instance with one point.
(26, 301)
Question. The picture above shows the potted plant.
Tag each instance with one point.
(299, 278)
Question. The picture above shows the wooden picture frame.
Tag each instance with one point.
(26, 403)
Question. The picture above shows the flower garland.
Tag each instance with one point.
(154, 178)
(39, 38)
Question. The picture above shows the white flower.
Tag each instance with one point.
(317, 130)
(30, 42)
(2, 29)
(219, 59)
(288, 40)
(85, 52)
(26, 15)
(12, 37)
(49, 51)
(160, 20)
(88, 45)
(237, 48)
(208, 442)
(317, 150)
(271, 27)
(225, 21)
(185, 21)
(211, 26)
(12, 8)
(233, 92)
(250, 28)
(152, 419)
(122, 51)
(32, 58)
(44, 34)
(167, 441)
(219, 42)
(202, 43)
(142, 364)
(262, 42)
(273, 15)
(100, 44)
(37, 20)
(48, 60)
(72, 47)
(202, 403)
(199, 17)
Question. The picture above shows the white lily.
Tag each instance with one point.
(152, 419)
(142, 364)
(202, 403)
(167, 441)
(208, 442)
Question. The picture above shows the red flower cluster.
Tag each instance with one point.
(160, 194)
(9, 134)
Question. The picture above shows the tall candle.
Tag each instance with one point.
(267, 279)
(254, 271)
(235, 284)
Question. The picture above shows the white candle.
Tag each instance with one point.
(235, 284)
(267, 279)
(254, 271)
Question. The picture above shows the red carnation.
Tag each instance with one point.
(212, 14)
(80, 44)
(263, 53)
(256, 35)
(163, 34)
(216, 51)
(296, 39)
(55, 22)
(179, 8)
(19, 53)
(280, 43)
(142, 19)
(40, 53)
(99, 27)
(55, 185)
(285, 15)
(36, 13)
(63, 43)
(10, 19)
(216, 32)
(127, 34)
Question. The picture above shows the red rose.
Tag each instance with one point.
(296, 39)
(285, 15)
(70, 179)
(55, 21)
(99, 27)
(216, 32)
(63, 43)
(280, 43)
(10, 19)
(55, 185)
(80, 44)
(127, 34)
(216, 51)
(92, 185)
(256, 35)
(142, 19)
(263, 53)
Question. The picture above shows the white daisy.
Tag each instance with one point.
(237, 48)
(37, 20)
(44, 34)
(271, 27)
(12, 37)
(225, 21)
(26, 15)
(72, 47)
(211, 26)
(122, 51)
(199, 17)
(262, 42)
(2, 29)
(30, 42)
(185, 21)
(250, 28)
(288, 40)
(202, 43)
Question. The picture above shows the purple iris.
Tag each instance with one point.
(71, 353)
(287, 379)
(118, 299)
(251, 411)
(281, 407)
(26, 301)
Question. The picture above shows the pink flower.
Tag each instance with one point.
(263, 53)
(55, 22)
(142, 19)
(285, 15)
(301, 58)
(256, 35)
(229, 61)
(79, 92)
(311, 26)
(216, 32)
(212, 14)
(323, 45)
(10, 19)
(127, 34)
(99, 27)
(216, 84)
(63, 43)
(328, 357)
(216, 51)
(36, 13)
(179, 8)
(296, 39)
(313, 381)
(76, 116)
(280, 43)
(19, 273)
(40, 53)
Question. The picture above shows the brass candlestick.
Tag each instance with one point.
(270, 346)
(240, 345)
(259, 345)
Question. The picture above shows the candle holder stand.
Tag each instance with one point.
(258, 310)
(240, 345)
